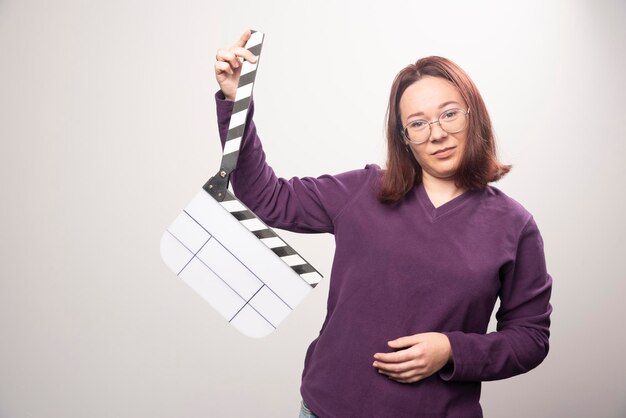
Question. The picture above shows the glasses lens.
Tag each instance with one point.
(417, 131)
(453, 120)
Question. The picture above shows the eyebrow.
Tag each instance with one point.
(441, 106)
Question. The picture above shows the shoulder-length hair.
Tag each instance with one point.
(478, 165)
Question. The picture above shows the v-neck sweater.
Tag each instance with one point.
(402, 269)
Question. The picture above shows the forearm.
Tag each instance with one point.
(497, 355)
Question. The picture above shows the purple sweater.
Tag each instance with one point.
(402, 269)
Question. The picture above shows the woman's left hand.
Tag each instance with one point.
(427, 353)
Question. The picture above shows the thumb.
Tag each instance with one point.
(407, 341)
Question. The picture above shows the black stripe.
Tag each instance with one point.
(237, 131)
(243, 215)
(284, 251)
(241, 104)
(303, 268)
(264, 233)
(247, 78)
(256, 50)
(229, 161)
(229, 196)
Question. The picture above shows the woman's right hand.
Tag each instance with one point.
(228, 65)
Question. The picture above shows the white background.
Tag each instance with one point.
(107, 130)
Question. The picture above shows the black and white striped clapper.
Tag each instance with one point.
(224, 252)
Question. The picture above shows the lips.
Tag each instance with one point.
(443, 150)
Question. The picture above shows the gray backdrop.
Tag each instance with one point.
(107, 130)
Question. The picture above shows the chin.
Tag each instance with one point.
(445, 173)
(446, 176)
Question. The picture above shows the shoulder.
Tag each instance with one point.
(502, 208)
(341, 185)
(355, 177)
(370, 170)
(374, 173)
(499, 199)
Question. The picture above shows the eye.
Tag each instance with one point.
(416, 124)
(450, 114)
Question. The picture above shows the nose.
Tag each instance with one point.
(436, 132)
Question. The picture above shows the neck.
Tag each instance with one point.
(440, 190)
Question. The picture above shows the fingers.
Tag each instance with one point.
(405, 341)
(411, 379)
(396, 357)
(223, 67)
(405, 366)
(428, 353)
(233, 54)
(244, 38)
(396, 367)
(228, 63)
(407, 372)
(405, 376)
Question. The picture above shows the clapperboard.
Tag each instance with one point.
(224, 252)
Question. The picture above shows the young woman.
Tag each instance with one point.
(424, 248)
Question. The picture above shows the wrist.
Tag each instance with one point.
(227, 97)
(221, 96)
(449, 350)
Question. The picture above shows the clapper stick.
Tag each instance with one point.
(224, 252)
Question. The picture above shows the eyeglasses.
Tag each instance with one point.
(452, 121)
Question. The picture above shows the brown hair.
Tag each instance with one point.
(478, 165)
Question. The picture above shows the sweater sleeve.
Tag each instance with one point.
(523, 320)
(305, 204)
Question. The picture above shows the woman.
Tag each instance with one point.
(423, 250)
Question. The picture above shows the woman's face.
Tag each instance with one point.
(427, 99)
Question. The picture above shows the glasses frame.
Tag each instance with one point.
(438, 121)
